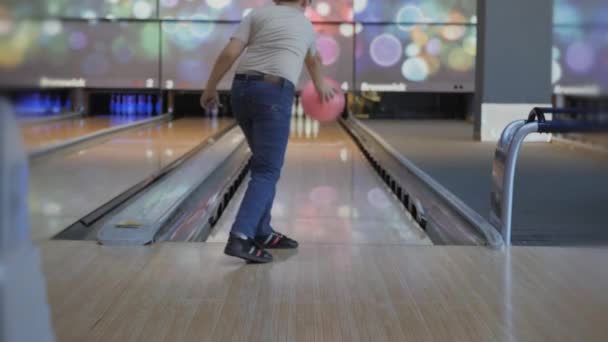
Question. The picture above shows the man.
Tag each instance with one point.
(279, 39)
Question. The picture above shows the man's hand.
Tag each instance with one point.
(326, 92)
(209, 99)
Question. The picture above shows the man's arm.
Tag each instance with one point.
(224, 62)
(313, 65)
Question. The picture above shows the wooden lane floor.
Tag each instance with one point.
(69, 186)
(360, 274)
(328, 193)
(44, 134)
(326, 292)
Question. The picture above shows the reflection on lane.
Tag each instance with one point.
(73, 185)
(45, 134)
(329, 194)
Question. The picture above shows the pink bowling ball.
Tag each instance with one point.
(316, 109)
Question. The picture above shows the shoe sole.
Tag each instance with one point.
(247, 257)
(281, 247)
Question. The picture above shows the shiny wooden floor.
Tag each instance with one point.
(345, 283)
(37, 135)
(328, 193)
(69, 186)
(327, 292)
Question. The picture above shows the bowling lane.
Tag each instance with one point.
(68, 187)
(328, 193)
(40, 135)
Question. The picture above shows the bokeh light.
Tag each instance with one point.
(78, 40)
(328, 49)
(412, 50)
(415, 69)
(386, 50)
(580, 57)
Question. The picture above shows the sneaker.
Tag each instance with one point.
(276, 241)
(247, 249)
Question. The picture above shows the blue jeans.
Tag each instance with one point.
(263, 111)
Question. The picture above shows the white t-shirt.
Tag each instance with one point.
(278, 39)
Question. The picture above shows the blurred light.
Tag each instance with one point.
(556, 53)
(323, 196)
(78, 40)
(323, 9)
(344, 155)
(470, 45)
(556, 72)
(410, 14)
(580, 57)
(51, 209)
(149, 153)
(419, 36)
(433, 47)
(415, 69)
(378, 199)
(52, 27)
(459, 60)
(218, 4)
(412, 50)
(358, 28)
(169, 3)
(347, 30)
(142, 10)
(88, 14)
(360, 5)
(386, 50)
(453, 32)
(5, 26)
(344, 211)
(328, 49)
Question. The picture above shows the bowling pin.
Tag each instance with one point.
(308, 127)
(149, 106)
(47, 103)
(300, 126)
(159, 105)
(124, 105)
(141, 104)
(57, 105)
(300, 109)
(315, 128)
(112, 104)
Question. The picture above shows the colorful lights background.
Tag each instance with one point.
(84, 9)
(187, 49)
(427, 44)
(425, 58)
(580, 12)
(580, 51)
(91, 40)
(416, 11)
(105, 54)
